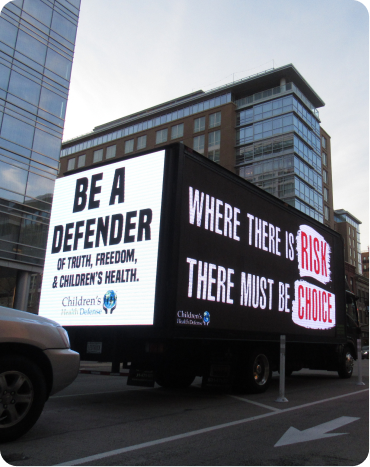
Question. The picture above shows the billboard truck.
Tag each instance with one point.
(174, 267)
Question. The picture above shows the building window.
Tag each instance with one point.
(98, 156)
(326, 194)
(214, 139)
(323, 142)
(111, 152)
(177, 131)
(325, 176)
(129, 146)
(161, 136)
(324, 159)
(141, 142)
(198, 144)
(81, 161)
(327, 213)
(71, 164)
(215, 120)
(199, 124)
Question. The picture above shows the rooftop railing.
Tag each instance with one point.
(258, 96)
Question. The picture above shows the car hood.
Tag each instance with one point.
(19, 327)
(10, 314)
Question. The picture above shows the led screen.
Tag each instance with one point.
(248, 264)
(101, 260)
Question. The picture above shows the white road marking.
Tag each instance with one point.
(274, 409)
(98, 393)
(115, 452)
(293, 435)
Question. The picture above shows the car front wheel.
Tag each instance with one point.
(22, 396)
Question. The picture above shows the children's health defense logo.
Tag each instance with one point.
(110, 301)
(206, 318)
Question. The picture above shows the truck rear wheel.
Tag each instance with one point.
(255, 375)
(346, 363)
(258, 372)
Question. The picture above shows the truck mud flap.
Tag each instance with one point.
(141, 378)
(218, 376)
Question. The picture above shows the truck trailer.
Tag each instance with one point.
(173, 267)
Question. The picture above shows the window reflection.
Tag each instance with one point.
(111, 152)
(12, 178)
(63, 27)
(39, 187)
(7, 286)
(38, 10)
(4, 76)
(24, 88)
(17, 131)
(45, 160)
(8, 32)
(98, 156)
(81, 160)
(53, 103)
(9, 195)
(58, 64)
(46, 144)
(31, 47)
(32, 233)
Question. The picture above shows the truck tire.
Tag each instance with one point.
(174, 379)
(258, 372)
(22, 396)
(253, 372)
(346, 363)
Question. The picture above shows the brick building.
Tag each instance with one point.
(265, 128)
(349, 227)
(365, 263)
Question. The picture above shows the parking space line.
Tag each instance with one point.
(97, 393)
(182, 436)
(274, 409)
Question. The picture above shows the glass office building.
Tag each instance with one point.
(265, 127)
(37, 39)
(279, 146)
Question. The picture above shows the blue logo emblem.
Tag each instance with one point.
(206, 318)
(110, 301)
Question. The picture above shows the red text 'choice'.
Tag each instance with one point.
(313, 307)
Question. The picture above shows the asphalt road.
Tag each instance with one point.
(99, 420)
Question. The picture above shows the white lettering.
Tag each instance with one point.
(195, 206)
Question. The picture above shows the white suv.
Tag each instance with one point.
(35, 362)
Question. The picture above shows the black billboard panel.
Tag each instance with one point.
(248, 263)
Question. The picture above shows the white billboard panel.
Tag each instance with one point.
(102, 250)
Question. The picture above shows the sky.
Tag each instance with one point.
(133, 54)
